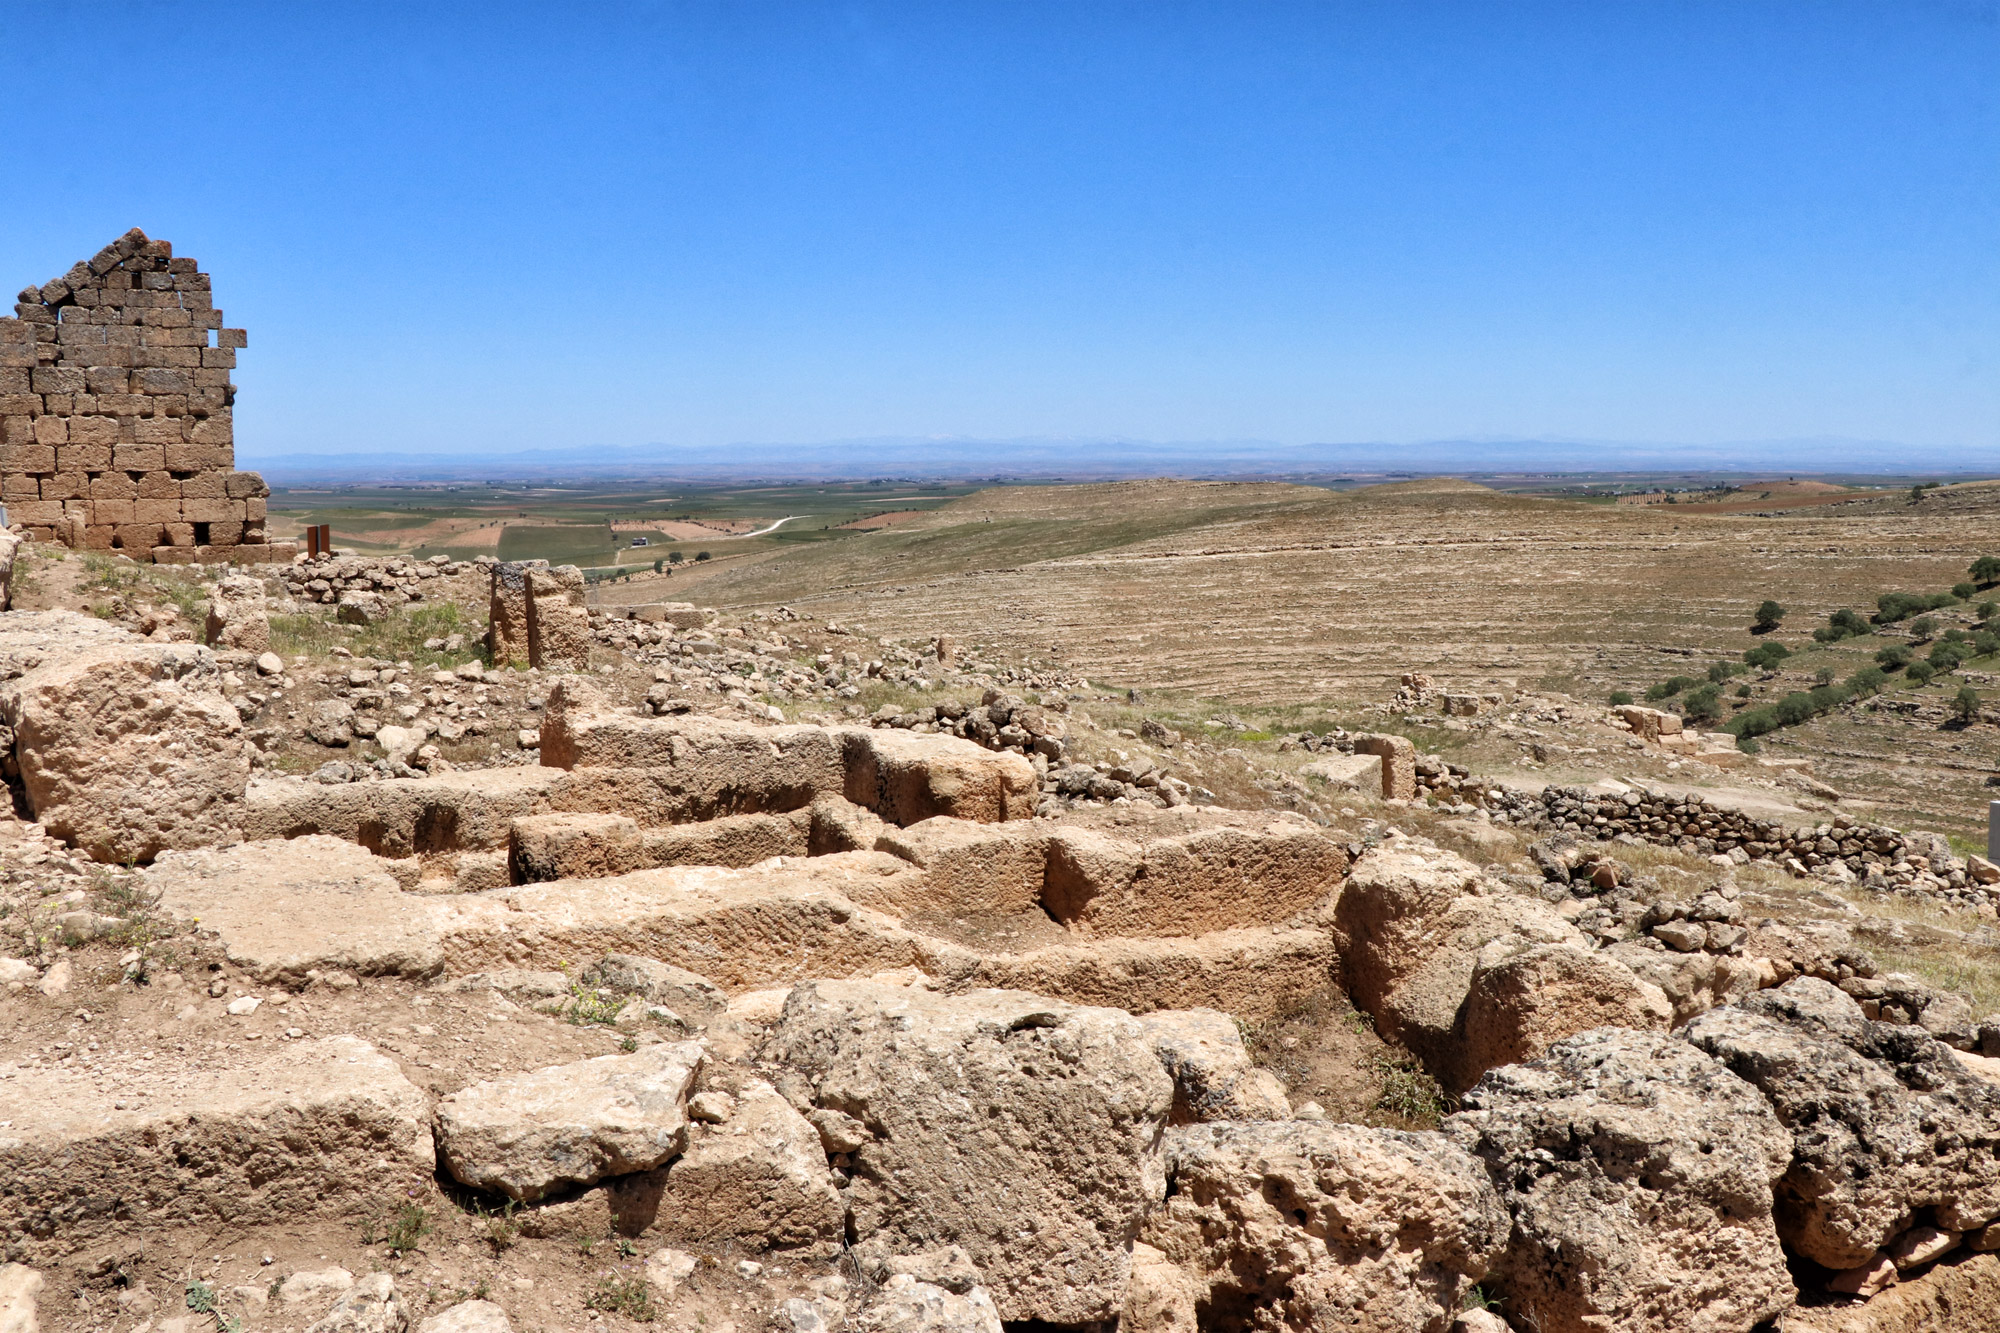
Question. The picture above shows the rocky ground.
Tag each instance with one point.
(775, 971)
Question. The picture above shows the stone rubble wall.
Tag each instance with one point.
(1842, 849)
(115, 413)
(323, 579)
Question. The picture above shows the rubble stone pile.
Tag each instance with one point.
(115, 413)
(372, 585)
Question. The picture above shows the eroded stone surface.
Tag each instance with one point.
(128, 749)
(1639, 1174)
(1884, 1119)
(1022, 1129)
(300, 1130)
(1302, 1225)
(529, 1135)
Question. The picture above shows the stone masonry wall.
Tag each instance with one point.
(115, 413)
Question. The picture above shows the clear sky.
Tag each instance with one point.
(498, 226)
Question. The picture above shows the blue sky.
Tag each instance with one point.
(506, 226)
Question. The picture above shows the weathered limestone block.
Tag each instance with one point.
(468, 1317)
(558, 625)
(507, 612)
(1410, 926)
(1524, 997)
(1399, 763)
(308, 1129)
(968, 867)
(1311, 1225)
(753, 927)
(20, 1291)
(237, 615)
(759, 1179)
(906, 777)
(1348, 772)
(692, 996)
(1162, 1295)
(529, 1135)
(470, 810)
(1202, 1051)
(1650, 724)
(988, 1109)
(10, 545)
(1639, 1173)
(372, 1305)
(1886, 1121)
(677, 769)
(283, 909)
(128, 749)
(904, 1304)
(1254, 973)
(732, 840)
(574, 846)
(1188, 883)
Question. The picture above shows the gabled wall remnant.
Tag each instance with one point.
(115, 413)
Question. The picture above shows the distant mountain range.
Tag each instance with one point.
(1098, 459)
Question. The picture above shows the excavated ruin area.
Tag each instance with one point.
(715, 1020)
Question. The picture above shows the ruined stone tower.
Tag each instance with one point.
(115, 400)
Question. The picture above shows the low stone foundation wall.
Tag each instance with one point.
(1841, 849)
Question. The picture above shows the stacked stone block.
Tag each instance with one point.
(115, 413)
(536, 616)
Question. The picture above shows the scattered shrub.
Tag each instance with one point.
(1704, 703)
(1893, 606)
(1823, 676)
(1965, 704)
(1964, 591)
(1894, 658)
(1920, 672)
(1743, 691)
(1769, 613)
(1868, 680)
(1673, 685)
(1766, 654)
(1987, 610)
(1845, 623)
(1947, 656)
(1985, 570)
(1794, 708)
(1718, 672)
(1923, 627)
(1619, 697)
(1985, 643)
(675, 557)
(700, 556)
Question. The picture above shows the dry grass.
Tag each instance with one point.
(397, 637)
(1295, 604)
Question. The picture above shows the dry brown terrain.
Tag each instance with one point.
(1278, 595)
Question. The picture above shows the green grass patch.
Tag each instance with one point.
(397, 637)
(559, 545)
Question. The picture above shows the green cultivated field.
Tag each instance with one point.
(572, 524)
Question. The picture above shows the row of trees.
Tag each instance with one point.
(675, 558)
(1702, 701)
(1891, 607)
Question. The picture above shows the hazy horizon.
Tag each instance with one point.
(509, 227)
